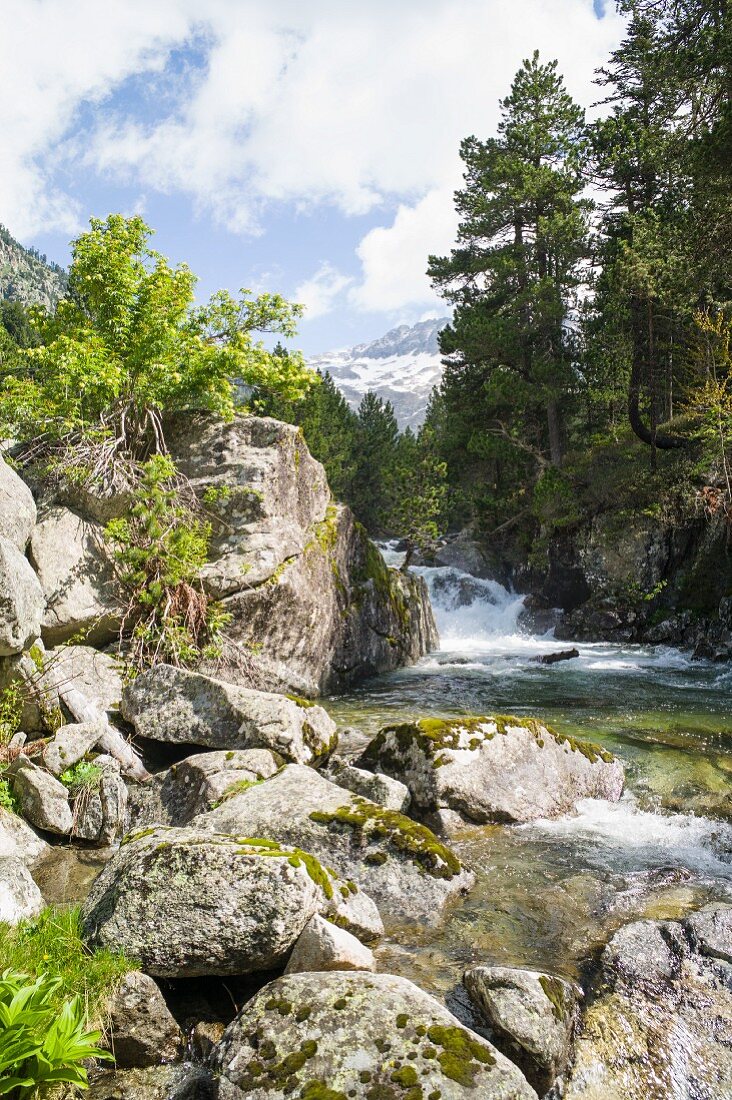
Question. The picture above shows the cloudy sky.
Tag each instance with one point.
(303, 146)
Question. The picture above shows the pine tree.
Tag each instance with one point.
(377, 435)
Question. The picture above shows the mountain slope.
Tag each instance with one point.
(26, 276)
(402, 367)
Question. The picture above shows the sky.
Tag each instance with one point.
(305, 147)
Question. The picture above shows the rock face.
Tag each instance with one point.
(70, 557)
(336, 1035)
(399, 863)
(493, 769)
(19, 895)
(21, 601)
(531, 1016)
(186, 902)
(144, 1032)
(324, 946)
(314, 606)
(17, 508)
(661, 1024)
(170, 704)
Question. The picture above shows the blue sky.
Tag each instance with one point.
(310, 149)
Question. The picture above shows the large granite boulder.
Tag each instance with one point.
(400, 864)
(333, 1035)
(43, 800)
(660, 1021)
(19, 895)
(199, 783)
(17, 508)
(186, 902)
(531, 1017)
(21, 601)
(72, 562)
(493, 768)
(173, 705)
(18, 840)
(314, 607)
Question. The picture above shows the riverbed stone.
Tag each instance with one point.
(334, 1035)
(324, 946)
(17, 507)
(169, 1082)
(21, 601)
(180, 707)
(69, 745)
(143, 1031)
(19, 895)
(399, 863)
(488, 769)
(531, 1016)
(659, 1023)
(383, 789)
(44, 802)
(187, 903)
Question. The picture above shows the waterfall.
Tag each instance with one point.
(473, 614)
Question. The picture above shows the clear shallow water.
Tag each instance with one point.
(550, 894)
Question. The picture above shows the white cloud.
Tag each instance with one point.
(320, 292)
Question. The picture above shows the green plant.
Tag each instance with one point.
(11, 710)
(41, 1045)
(8, 801)
(84, 776)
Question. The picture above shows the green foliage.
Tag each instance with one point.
(11, 710)
(159, 551)
(41, 1046)
(85, 776)
(418, 492)
(8, 801)
(377, 435)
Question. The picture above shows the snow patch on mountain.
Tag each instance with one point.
(402, 367)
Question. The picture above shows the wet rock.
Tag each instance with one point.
(21, 601)
(324, 946)
(199, 782)
(19, 895)
(72, 562)
(337, 1035)
(188, 903)
(660, 1023)
(493, 769)
(154, 1083)
(173, 705)
(531, 1016)
(143, 1031)
(69, 745)
(555, 658)
(44, 802)
(17, 508)
(383, 789)
(18, 840)
(399, 863)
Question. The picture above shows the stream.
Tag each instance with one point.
(550, 894)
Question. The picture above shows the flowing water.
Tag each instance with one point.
(550, 894)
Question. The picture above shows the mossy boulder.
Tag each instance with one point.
(498, 768)
(374, 1036)
(401, 864)
(203, 781)
(187, 903)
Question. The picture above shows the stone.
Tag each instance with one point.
(399, 863)
(659, 1021)
(21, 601)
(327, 1036)
(100, 813)
(44, 802)
(498, 769)
(17, 508)
(531, 1017)
(69, 745)
(18, 840)
(324, 946)
(197, 783)
(187, 903)
(173, 705)
(171, 1082)
(388, 792)
(19, 895)
(73, 564)
(143, 1031)
(96, 675)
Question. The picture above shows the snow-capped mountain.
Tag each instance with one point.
(401, 367)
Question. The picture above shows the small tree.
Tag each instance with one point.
(419, 492)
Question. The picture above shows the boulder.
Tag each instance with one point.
(332, 1035)
(494, 768)
(18, 840)
(21, 601)
(324, 946)
(199, 782)
(17, 508)
(383, 789)
(69, 745)
(98, 676)
(44, 802)
(46, 674)
(314, 607)
(72, 561)
(143, 1031)
(175, 1082)
(100, 813)
(531, 1017)
(400, 864)
(186, 902)
(173, 705)
(19, 895)
(659, 1023)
